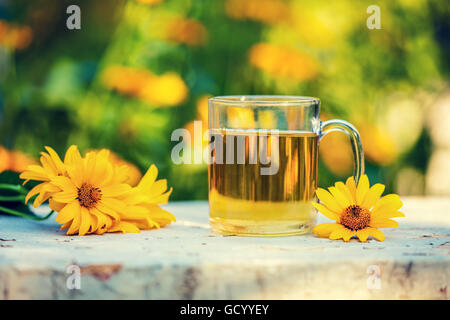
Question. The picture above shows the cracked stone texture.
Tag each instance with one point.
(187, 261)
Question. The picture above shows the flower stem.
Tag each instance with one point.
(25, 215)
(12, 198)
(14, 187)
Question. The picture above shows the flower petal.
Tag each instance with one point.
(107, 208)
(342, 233)
(149, 177)
(345, 191)
(387, 214)
(372, 195)
(377, 234)
(328, 200)
(75, 226)
(72, 156)
(115, 190)
(324, 210)
(362, 188)
(383, 223)
(350, 184)
(56, 160)
(340, 198)
(56, 206)
(124, 227)
(362, 234)
(86, 222)
(69, 212)
(37, 189)
(388, 202)
(65, 197)
(323, 230)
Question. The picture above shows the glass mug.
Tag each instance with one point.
(264, 163)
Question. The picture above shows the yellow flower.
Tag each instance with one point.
(91, 195)
(336, 153)
(201, 115)
(166, 90)
(16, 37)
(19, 161)
(4, 159)
(358, 210)
(150, 2)
(241, 118)
(186, 31)
(267, 11)
(13, 160)
(377, 144)
(126, 80)
(283, 62)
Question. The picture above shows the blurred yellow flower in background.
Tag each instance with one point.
(15, 37)
(241, 118)
(4, 159)
(283, 62)
(150, 2)
(202, 115)
(267, 120)
(320, 25)
(125, 80)
(336, 153)
(186, 31)
(377, 144)
(267, 11)
(165, 90)
(91, 193)
(13, 160)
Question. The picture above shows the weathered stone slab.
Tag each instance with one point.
(187, 261)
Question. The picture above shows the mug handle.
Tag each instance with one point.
(355, 140)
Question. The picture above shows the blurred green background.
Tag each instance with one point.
(138, 69)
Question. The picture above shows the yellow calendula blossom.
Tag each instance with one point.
(166, 90)
(14, 36)
(283, 62)
(14, 160)
(358, 210)
(91, 193)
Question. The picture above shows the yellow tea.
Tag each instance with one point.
(245, 200)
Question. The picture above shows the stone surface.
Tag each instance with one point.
(187, 261)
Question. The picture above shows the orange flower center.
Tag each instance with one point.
(88, 196)
(355, 218)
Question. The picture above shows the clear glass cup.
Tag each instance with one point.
(264, 163)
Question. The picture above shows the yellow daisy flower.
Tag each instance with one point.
(14, 160)
(89, 196)
(92, 194)
(358, 210)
